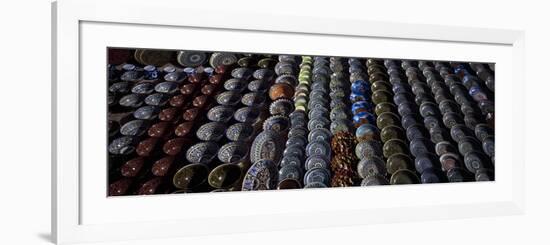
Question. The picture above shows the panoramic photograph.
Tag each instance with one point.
(186, 121)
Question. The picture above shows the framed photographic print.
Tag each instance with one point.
(185, 125)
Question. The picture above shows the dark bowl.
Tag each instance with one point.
(404, 176)
(398, 161)
(190, 176)
(233, 152)
(225, 176)
(203, 152)
(289, 184)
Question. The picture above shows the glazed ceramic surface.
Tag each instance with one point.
(187, 121)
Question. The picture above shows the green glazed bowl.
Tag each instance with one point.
(404, 176)
(225, 176)
(392, 132)
(397, 162)
(381, 96)
(386, 119)
(394, 146)
(384, 107)
(190, 176)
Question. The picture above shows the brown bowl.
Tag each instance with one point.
(289, 184)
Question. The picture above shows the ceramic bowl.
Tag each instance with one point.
(318, 147)
(298, 131)
(281, 90)
(263, 74)
(394, 146)
(315, 185)
(203, 152)
(123, 146)
(483, 131)
(429, 109)
(318, 123)
(131, 100)
(240, 132)
(367, 132)
(166, 87)
(175, 146)
(456, 175)
(291, 159)
(392, 132)
(398, 161)
(190, 176)
(361, 106)
(253, 99)
(322, 134)
(449, 161)
(246, 61)
(373, 180)
(313, 175)
(262, 175)
(460, 131)
(130, 76)
(143, 88)
(420, 145)
(191, 58)
(242, 73)
(425, 161)
(430, 176)
(267, 145)
(235, 84)
(289, 184)
(381, 85)
(157, 99)
(267, 62)
(258, 86)
(294, 150)
(220, 113)
(147, 112)
(277, 123)
(222, 59)
(247, 114)
(229, 98)
(364, 118)
(416, 131)
(386, 119)
(406, 108)
(488, 146)
(283, 68)
(317, 161)
(290, 172)
(475, 161)
(225, 176)
(367, 149)
(484, 175)
(134, 128)
(370, 166)
(287, 79)
(296, 140)
(318, 112)
(381, 96)
(281, 107)
(233, 152)
(468, 144)
(212, 131)
(404, 176)
(340, 125)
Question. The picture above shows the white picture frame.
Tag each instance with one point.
(82, 212)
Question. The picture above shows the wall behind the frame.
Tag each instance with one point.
(25, 123)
